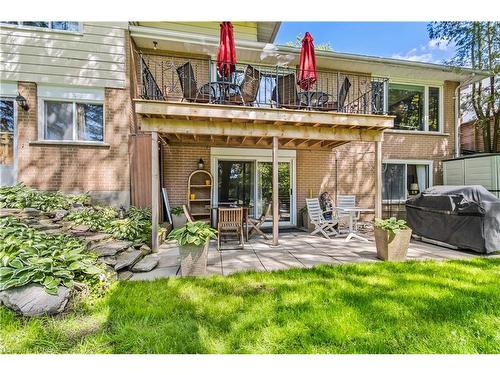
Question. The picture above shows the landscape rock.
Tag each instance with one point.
(60, 214)
(111, 248)
(30, 212)
(80, 228)
(9, 211)
(146, 264)
(127, 258)
(93, 239)
(33, 300)
(145, 250)
(110, 261)
(125, 275)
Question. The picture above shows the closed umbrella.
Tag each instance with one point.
(307, 66)
(226, 56)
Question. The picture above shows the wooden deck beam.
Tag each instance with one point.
(259, 130)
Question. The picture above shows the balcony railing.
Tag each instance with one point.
(173, 78)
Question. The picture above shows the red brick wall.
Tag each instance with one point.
(73, 167)
(178, 163)
(471, 137)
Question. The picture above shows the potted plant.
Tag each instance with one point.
(392, 237)
(193, 239)
(178, 217)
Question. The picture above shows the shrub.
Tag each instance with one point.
(31, 256)
(21, 196)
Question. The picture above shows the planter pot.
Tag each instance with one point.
(194, 260)
(392, 246)
(306, 223)
(178, 220)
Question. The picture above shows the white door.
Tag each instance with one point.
(8, 135)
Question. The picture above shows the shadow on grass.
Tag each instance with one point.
(369, 308)
(411, 307)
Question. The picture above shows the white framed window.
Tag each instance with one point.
(417, 107)
(67, 115)
(50, 25)
(402, 178)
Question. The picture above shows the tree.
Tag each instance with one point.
(477, 46)
(298, 43)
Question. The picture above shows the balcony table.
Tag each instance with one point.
(313, 98)
(223, 88)
(353, 211)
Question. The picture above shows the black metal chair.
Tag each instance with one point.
(340, 103)
(285, 93)
(190, 91)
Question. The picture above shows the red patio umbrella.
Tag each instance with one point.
(307, 66)
(226, 56)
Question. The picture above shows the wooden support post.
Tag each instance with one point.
(276, 211)
(155, 191)
(378, 179)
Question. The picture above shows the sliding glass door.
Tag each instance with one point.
(265, 189)
(247, 180)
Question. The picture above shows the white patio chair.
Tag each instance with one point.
(316, 215)
(347, 201)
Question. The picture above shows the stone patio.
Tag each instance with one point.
(297, 249)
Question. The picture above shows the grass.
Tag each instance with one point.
(412, 307)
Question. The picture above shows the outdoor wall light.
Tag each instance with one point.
(414, 189)
(201, 164)
(155, 45)
(22, 102)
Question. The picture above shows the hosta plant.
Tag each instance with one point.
(392, 224)
(31, 256)
(93, 217)
(197, 233)
(21, 196)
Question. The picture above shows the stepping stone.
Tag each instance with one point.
(111, 248)
(44, 227)
(80, 228)
(125, 275)
(93, 239)
(127, 258)
(146, 264)
(31, 212)
(157, 273)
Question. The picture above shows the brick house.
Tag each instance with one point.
(122, 110)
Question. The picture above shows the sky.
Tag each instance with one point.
(400, 40)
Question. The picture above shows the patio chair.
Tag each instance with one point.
(339, 104)
(189, 86)
(246, 92)
(324, 226)
(285, 93)
(230, 220)
(257, 223)
(346, 201)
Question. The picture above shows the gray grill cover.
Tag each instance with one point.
(464, 216)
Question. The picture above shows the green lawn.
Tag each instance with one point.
(414, 307)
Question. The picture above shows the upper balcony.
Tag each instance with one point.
(187, 88)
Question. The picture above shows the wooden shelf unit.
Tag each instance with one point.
(201, 206)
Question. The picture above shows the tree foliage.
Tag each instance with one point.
(477, 46)
(297, 43)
